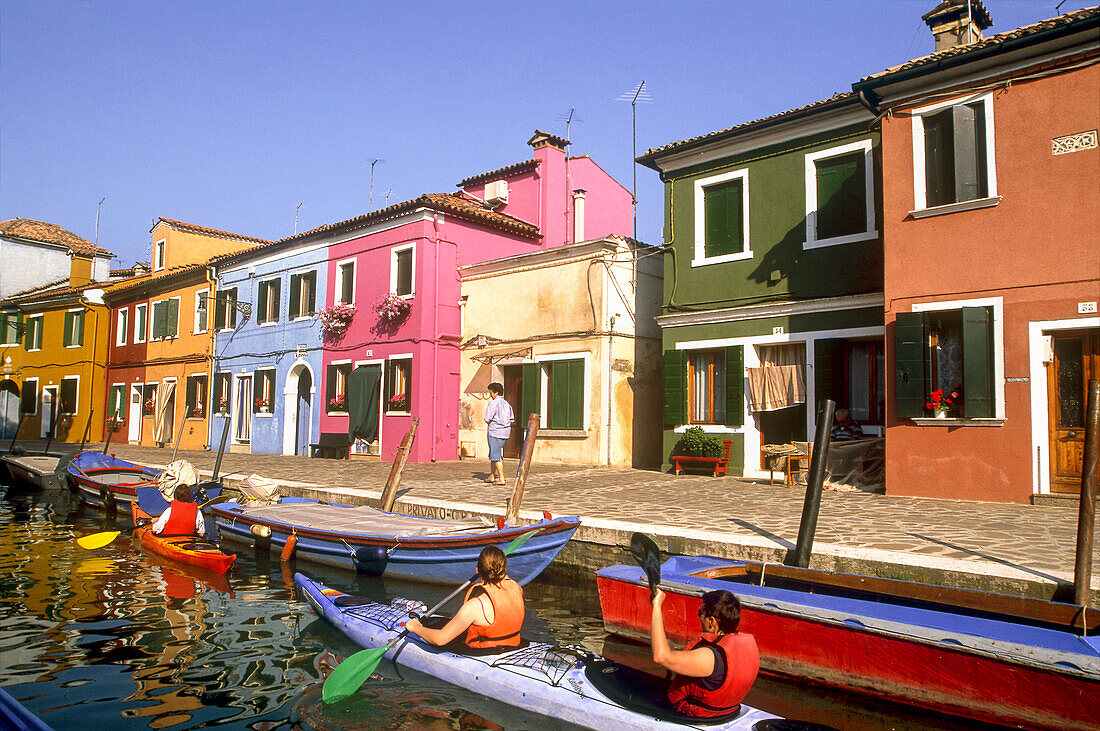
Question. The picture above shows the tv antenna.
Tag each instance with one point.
(296, 218)
(569, 119)
(97, 207)
(637, 95)
(373, 162)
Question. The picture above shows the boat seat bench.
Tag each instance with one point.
(717, 465)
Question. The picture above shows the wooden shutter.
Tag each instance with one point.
(829, 370)
(977, 335)
(347, 284)
(274, 290)
(965, 128)
(28, 399)
(735, 385)
(841, 196)
(172, 318)
(675, 363)
(160, 315)
(28, 334)
(330, 385)
(910, 375)
(295, 296)
(261, 303)
(68, 396)
(404, 271)
(722, 214)
(78, 325)
(67, 335)
(939, 159)
(531, 395)
(311, 293)
(219, 310)
(567, 394)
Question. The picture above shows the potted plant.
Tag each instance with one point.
(114, 423)
(223, 406)
(197, 411)
(338, 403)
(392, 308)
(399, 402)
(149, 407)
(697, 443)
(262, 405)
(940, 403)
(335, 319)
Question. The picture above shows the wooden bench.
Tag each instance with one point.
(716, 464)
(332, 445)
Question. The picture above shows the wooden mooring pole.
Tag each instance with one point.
(1086, 516)
(524, 468)
(87, 428)
(389, 494)
(814, 482)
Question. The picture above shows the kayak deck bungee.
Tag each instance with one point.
(569, 684)
(189, 549)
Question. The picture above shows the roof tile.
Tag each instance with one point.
(50, 233)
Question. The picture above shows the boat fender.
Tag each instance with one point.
(288, 548)
(371, 560)
(71, 482)
(262, 534)
(108, 499)
(500, 522)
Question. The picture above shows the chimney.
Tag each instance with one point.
(80, 270)
(578, 215)
(957, 22)
(554, 193)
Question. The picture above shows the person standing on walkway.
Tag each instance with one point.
(714, 672)
(499, 418)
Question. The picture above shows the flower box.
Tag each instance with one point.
(392, 308)
(335, 319)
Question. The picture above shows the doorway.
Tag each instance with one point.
(302, 412)
(512, 377)
(9, 409)
(49, 401)
(134, 435)
(1076, 360)
(242, 411)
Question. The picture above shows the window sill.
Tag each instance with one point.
(397, 413)
(927, 421)
(302, 318)
(564, 433)
(9, 345)
(710, 428)
(956, 207)
(707, 261)
(839, 240)
(268, 324)
(336, 413)
(263, 416)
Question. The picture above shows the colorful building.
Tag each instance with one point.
(50, 248)
(992, 268)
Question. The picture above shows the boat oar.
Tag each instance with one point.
(648, 556)
(93, 541)
(355, 670)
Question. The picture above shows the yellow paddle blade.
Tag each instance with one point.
(97, 540)
(96, 566)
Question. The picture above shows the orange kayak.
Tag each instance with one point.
(194, 550)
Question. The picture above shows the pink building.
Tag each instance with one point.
(390, 365)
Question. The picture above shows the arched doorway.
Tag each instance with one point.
(298, 420)
(9, 408)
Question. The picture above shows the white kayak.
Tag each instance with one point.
(569, 684)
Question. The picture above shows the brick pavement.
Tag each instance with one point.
(1025, 549)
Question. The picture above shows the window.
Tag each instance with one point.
(345, 282)
(32, 336)
(69, 389)
(565, 393)
(122, 327)
(158, 255)
(840, 195)
(166, 318)
(225, 309)
(148, 399)
(116, 403)
(196, 396)
(704, 386)
(336, 387)
(9, 328)
(950, 349)
(707, 387)
(141, 317)
(398, 385)
(303, 295)
(201, 314)
(953, 153)
(264, 384)
(73, 337)
(268, 307)
(28, 399)
(401, 271)
(722, 218)
(222, 393)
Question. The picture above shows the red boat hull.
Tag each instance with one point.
(854, 658)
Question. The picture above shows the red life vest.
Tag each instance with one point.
(508, 609)
(181, 521)
(742, 665)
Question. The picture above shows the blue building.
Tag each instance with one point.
(267, 348)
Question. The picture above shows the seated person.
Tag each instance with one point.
(182, 518)
(717, 668)
(846, 428)
(492, 612)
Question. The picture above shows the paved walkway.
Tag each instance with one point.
(1007, 547)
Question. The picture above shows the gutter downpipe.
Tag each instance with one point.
(862, 95)
(211, 279)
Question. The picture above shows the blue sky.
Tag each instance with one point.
(229, 114)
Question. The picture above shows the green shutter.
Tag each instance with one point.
(910, 375)
(28, 398)
(274, 290)
(219, 310)
(531, 394)
(28, 335)
(977, 338)
(675, 362)
(735, 385)
(567, 394)
(172, 326)
(78, 321)
(311, 280)
(159, 317)
(67, 335)
(829, 369)
(261, 303)
(841, 196)
(722, 213)
(295, 295)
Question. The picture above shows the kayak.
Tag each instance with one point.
(14, 716)
(565, 683)
(189, 549)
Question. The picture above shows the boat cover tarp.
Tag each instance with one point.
(362, 520)
(180, 472)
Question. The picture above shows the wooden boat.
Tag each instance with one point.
(567, 684)
(40, 470)
(189, 549)
(389, 544)
(106, 482)
(992, 657)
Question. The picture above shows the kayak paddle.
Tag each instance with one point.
(93, 541)
(648, 556)
(356, 669)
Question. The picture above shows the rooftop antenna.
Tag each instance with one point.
(569, 119)
(373, 162)
(98, 206)
(388, 192)
(296, 217)
(634, 96)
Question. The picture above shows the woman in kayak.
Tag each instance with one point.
(182, 518)
(717, 668)
(492, 613)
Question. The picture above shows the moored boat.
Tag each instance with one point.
(107, 482)
(991, 657)
(569, 684)
(189, 549)
(13, 715)
(360, 538)
(39, 470)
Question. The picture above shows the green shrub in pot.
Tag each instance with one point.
(697, 443)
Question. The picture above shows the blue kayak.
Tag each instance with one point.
(565, 683)
(14, 716)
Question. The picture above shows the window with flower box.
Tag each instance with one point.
(196, 396)
(222, 393)
(401, 271)
(336, 387)
(398, 392)
(704, 386)
(263, 401)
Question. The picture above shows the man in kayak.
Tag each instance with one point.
(492, 612)
(182, 518)
(717, 668)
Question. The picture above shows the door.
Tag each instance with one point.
(302, 413)
(1076, 360)
(513, 390)
(134, 415)
(9, 409)
(242, 411)
(49, 400)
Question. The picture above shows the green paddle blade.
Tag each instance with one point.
(514, 545)
(97, 540)
(351, 673)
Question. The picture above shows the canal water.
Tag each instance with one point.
(119, 639)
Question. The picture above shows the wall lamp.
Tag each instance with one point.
(245, 308)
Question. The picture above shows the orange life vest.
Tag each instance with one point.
(742, 665)
(508, 609)
(181, 521)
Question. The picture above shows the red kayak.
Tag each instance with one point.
(190, 549)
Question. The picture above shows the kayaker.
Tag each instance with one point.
(491, 614)
(714, 672)
(182, 518)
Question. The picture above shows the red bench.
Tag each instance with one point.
(716, 464)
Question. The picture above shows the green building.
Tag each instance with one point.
(773, 277)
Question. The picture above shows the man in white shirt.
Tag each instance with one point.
(499, 418)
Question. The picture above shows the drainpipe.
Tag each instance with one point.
(610, 343)
(868, 104)
(211, 280)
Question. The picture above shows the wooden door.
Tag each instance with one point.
(513, 394)
(1076, 360)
